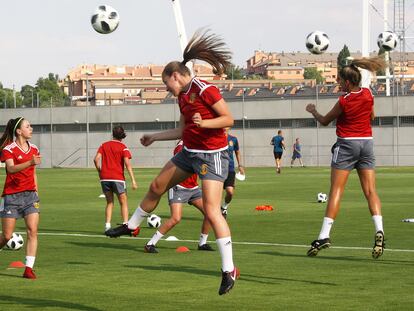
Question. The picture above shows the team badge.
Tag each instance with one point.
(36, 205)
(192, 98)
(231, 143)
(203, 170)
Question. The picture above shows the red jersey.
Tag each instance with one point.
(113, 154)
(355, 119)
(190, 182)
(200, 97)
(23, 180)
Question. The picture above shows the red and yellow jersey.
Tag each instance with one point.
(190, 182)
(113, 153)
(200, 97)
(23, 180)
(355, 119)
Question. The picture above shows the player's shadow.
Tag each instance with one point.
(127, 247)
(44, 303)
(381, 261)
(68, 231)
(244, 277)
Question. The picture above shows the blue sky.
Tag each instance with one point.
(42, 36)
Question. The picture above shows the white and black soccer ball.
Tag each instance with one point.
(387, 40)
(16, 242)
(322, 197)
(105, 19)
(317, 42)
(154, 221)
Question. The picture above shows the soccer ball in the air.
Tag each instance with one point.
(317, 42)
(387, 40)
(322, 197)
(16, 242)
(105, 19)
(153, 221)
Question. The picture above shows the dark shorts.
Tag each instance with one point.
(117, 187)
(208, 166)
(230, 181)
(19, 205)
(179, 194)
(277, 155)
(348, 154)
(296, 156)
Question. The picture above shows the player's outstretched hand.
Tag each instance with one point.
(197, 119)
(311, 108)
(147, 140)
(36, 160)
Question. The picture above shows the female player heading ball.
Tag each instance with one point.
(353, 149)
(204, 115)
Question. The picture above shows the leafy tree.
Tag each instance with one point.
(313, 73)
(1, 85)
(343, 54)
(234, 73)
(49, 90)
(28, 93)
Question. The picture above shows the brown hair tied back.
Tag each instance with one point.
(10, 131)
(203, 46)
(118, 132)
(352, 73)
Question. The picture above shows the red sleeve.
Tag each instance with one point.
(5, 155)
(211, 95)
(126, 153)
(341, 101)
(99, 149)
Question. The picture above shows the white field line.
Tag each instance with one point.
(236, 243)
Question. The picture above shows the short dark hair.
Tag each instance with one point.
(118, 132)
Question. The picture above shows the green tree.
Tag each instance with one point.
(234, 72)
(313, 73)
(342, 57)
(28, 93)
(49, 90)
(1, 85)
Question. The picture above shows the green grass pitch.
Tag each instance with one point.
(80, 269)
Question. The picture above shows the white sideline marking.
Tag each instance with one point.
(237, 243)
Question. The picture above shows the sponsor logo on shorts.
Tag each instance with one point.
(36, 204)
(203, 170)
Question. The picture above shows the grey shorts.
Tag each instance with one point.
(356, 153)
(183, 195)
(209, 166)
(117, 187)
(19, 205)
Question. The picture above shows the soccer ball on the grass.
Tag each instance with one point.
(16, 242)
(153, 221)
(387, 40)
(105, 19)
(322, 197)
(317, 42)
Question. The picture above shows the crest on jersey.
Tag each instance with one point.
(231, 143)
(192, 98)
(203, 169)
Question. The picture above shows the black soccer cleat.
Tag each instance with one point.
(227, 280)
(224, 212)
(205, 247)
(317, 245)
(118, 231)
(379, 245)
(149, 248)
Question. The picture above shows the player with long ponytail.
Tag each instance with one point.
(353, 149)
(19, 198)
(204, 115)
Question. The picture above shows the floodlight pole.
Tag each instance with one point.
(182, 36)
(387, 54)
(366, 75)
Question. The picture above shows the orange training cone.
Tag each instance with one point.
(182, 249)
(16, 264)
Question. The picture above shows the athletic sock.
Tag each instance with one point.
(155, 238)
(226, 252)
(136, 218)
(30, 260)
(225, 205)
(326, 228)
(107, 226)
(203, 239)
(378, 223)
